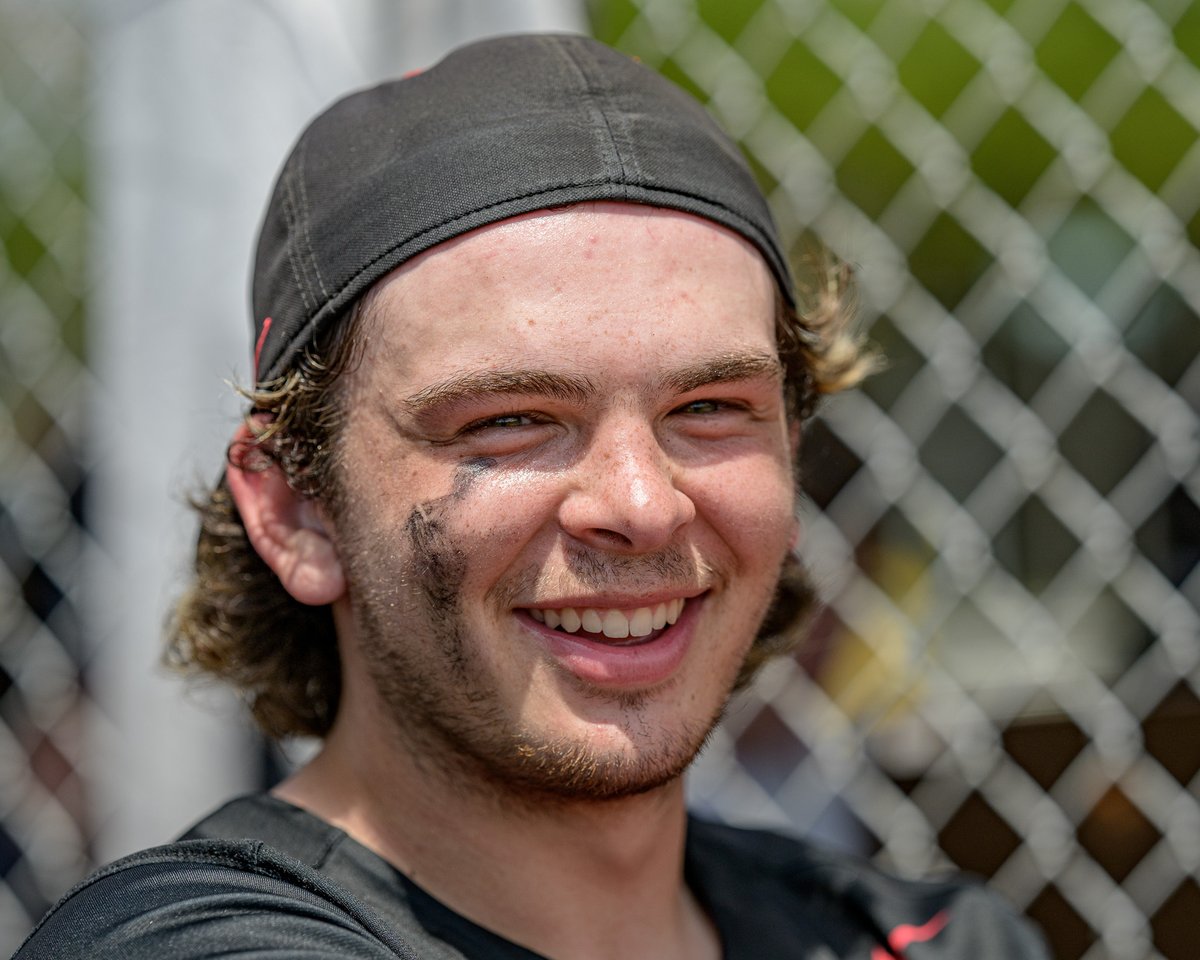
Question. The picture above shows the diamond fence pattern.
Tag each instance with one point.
(44, 831)
(1006, 522)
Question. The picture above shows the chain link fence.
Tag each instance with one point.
(1005, 522)
(44, 826)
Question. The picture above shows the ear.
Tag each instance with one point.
(286, 529)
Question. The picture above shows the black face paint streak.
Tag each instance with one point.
(439, 566)
(466, 475)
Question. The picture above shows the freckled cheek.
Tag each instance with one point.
(497, 513)
(388, 497)
(376, 470)
(752, 507)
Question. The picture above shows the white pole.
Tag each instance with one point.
(197, 102)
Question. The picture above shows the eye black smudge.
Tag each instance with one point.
(439, 567)
(466, 475)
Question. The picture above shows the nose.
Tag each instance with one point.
(625, 496)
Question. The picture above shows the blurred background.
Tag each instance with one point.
(1005, 522)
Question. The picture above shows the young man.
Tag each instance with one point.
(511, 515)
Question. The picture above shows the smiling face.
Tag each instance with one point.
(565, 496)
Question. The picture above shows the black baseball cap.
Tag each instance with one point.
(498, 128)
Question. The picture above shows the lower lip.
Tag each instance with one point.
(624, 666)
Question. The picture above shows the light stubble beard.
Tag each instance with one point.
(443, 705)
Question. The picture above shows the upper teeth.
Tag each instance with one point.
(614, 624)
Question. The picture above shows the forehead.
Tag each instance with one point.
(617, 288)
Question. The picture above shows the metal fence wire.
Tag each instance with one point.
(44, 829)
(1005, 522)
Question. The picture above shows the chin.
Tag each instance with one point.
(627, 755)
(574, 771)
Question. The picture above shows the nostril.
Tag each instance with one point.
(612, 538)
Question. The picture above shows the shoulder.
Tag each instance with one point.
(284, 827)
(850, 904)
(205, 898)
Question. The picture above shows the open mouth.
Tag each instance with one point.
(619, 647)
(610, 623)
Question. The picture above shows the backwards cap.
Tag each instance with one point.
(498, 128)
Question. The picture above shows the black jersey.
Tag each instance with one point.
(263, 880)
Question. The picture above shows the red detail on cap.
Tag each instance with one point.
(262, 338)
(409, 74)
(905, 934)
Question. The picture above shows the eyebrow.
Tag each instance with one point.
(726, 368)
(467, 387)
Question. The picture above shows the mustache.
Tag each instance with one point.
(590, 571)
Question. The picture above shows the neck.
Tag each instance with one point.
(573, 880)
